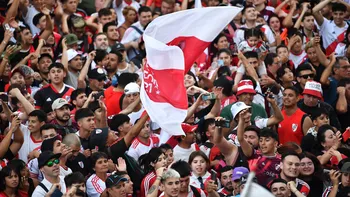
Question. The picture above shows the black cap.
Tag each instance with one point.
(113, 180)
(47, 145)
(118, 47)
(98, 138)
(97, 73)
(345, 168)
(46, 156)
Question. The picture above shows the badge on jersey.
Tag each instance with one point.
(294, 127)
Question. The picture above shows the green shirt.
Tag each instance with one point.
(257, 112)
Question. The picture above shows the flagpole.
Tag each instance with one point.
(245, 192)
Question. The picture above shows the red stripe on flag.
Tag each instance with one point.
(192, 48)
(166, 86)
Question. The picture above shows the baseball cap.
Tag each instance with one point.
(187, 128)
(97, 73)
(313, 88)
(131, 88)
(47, 145)
(58, 103)
(113, 180)
(245, 86)
(118, 47)
(345, 168)
(238, 107)
(98, 138)
(46, 156)
(71, 39)
(238, 172)
(78, 22)
(71, 53)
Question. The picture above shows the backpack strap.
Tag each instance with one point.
(195, 191)
(44, 187)
(137, 29)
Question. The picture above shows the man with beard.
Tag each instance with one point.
(111, 30)
(186, 190)
(56, 89)
(101, 41)
(74, 66)
(115, 57)
(226, 181)
(64, 123)
(290, 164)
(49, 166)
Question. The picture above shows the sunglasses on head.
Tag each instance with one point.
(52, 162)
(311, 76)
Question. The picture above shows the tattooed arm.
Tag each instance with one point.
(153, 191)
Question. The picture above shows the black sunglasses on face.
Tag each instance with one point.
(311, 76)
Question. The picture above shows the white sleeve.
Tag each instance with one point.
(34, 168)
(133, 153)
(269, 34)
(39, 191)
(261, 123)
(241, 69)
(324, 26)
(262, 69)
(90, 189)
(129, 36)
(239, 36)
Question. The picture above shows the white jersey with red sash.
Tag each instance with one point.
(332, 35)
(297, 59)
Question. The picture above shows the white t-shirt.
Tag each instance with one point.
(297, 59)
(183, 154)
(95, 186)
(330, 34)
(136, 115)
(29, 144)
(64, 172)
(132, 35)
(29, 19)
(138, 148)
(34, 169)
(340, 50)
(120, 8)
(40, 192)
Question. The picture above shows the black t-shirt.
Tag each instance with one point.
(49, 94)
(344, 119)
(80, 164)
(311, 110)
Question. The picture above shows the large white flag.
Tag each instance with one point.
(252, 189)
(173, 42)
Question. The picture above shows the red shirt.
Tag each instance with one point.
(291, 128)
(112, 101)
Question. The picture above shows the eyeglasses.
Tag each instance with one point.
(345, 67)
(311, 76)
(52, 162)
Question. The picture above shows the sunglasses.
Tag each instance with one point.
(311, 76)
(52, 162)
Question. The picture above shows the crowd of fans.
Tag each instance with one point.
(270, 94)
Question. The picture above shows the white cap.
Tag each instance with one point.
(58, 103)
(131, 88)
(71, 53)
(238, 107)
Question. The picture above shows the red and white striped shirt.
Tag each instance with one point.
(147, 183)
(95, 186)
(332, 35)
(139, 148)
(297, 59)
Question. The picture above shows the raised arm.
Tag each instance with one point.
(278, 116)
(280, 6)
(135, 130)
(64, 59)
(131, 107)
(342, 103)
(49, 26)
(215, 110)
(103, 118)
(327, 72)
(18, 138)
(28, 107)
(85, 70)
(153, 190)
(12, 11)
(320, 55)
(307, 124)
(249, 68)
(244, 120)
(288, 20)
(300, 18)
(316, 11)
(224, 146)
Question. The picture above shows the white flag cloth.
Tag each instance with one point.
(252, 189)
(173, 42)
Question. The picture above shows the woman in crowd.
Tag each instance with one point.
(130, 15)
(150, 162)
(95, 185)
(9, 182)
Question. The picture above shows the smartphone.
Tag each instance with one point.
(4, 97)
(346, 134)
(7, 27)
(221, 63)
(210, 96)
(213, 175)
(223, 123)
(98, 95)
